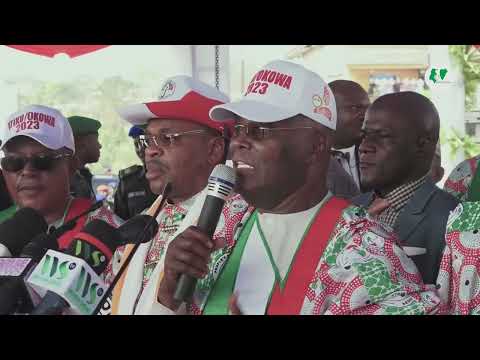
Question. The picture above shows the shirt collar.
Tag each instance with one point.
(399, 196)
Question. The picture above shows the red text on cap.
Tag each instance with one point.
(31, 120)
(261, 80)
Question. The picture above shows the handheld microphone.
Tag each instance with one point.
(220, 186)
(13, 292)
(95, 246)
(71, 279)
(17, 231)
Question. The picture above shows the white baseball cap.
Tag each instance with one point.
(41, 123)
(280, 90)
(181, 98)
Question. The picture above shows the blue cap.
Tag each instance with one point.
(136, 131)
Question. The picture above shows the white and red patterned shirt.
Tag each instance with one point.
(460, 179)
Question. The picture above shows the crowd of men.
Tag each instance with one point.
(336, 208)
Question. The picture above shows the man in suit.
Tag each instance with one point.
(352, 103)
(399, 137)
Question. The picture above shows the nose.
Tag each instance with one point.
(28, 170)
(366, 145)
(240, 142)
(153, 151)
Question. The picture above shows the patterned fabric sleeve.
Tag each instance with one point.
(364, 271)
(459, 280)
(459, 180)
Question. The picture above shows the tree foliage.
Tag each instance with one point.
(467, 58)
(98, 99)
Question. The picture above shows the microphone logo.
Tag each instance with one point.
(51, 264)
(60, 273)
(82, 250)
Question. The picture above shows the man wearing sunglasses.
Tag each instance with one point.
(133, 194)
(182, 146)
(300, 250)
(38, 145)
(399, 139)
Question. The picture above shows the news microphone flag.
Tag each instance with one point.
(71, 278)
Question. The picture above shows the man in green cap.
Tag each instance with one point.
(85, 132)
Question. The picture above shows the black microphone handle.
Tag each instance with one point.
(51, 304)
(12, 292)
(207, 223)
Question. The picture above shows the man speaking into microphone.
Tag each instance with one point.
(182, 147)
(300, 249)
(38, 145)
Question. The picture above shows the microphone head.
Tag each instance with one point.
(221, 181)
(132, 228)
(39, 245)
(95, 244)
(19, 230)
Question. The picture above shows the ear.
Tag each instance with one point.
(321, 146)
(216, 150)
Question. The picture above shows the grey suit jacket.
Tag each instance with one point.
(339, 182)
(422, 224)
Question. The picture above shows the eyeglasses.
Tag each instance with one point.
(260, 133)
(166, 140)
(43, 162)
(355, 108)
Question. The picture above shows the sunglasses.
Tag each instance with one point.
(44, 162)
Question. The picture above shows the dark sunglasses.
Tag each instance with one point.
(44, 162)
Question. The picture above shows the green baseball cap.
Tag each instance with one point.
(82, 125)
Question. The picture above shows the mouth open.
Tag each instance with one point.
(242, 165)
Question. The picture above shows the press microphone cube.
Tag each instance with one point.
(69, 277)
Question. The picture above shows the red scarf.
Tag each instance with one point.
(289, 301)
